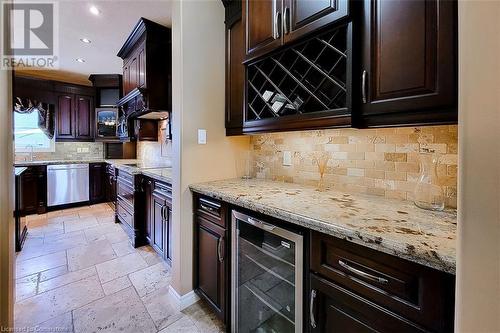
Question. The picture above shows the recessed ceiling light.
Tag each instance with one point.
(80, 60)
(94, 10)
(85, 40)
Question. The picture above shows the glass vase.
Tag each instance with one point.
(429, 193)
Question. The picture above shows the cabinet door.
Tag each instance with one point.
(126, 79)
(84, 117)
(263, 26)
(97, 182)
(29, 193)
(409, 60)
(305, 16)
(134, 73)
(158, 224)
(210, 264)
(168, 237)
(149, 209)
(65, 117)
(141, 74)
(335, 309)
(235, 77)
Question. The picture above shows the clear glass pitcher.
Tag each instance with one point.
(429, 193)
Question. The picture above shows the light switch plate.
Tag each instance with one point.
(287, 158)
(202, 136)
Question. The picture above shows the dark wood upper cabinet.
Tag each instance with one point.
(301, 17)
(263, 26)
(409, 62)
(65, 117)
(147, 70)
(75, 112)
(84, 117)
(235, 70)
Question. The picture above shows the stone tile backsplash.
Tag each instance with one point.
(67, 151)
(383, 162)
(159, 151)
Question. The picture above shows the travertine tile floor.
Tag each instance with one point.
(78, 272)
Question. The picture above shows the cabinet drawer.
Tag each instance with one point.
(421, 294)
(211, 209)
(125, 192)
(123, 214)
(163, 189)
(336, 309)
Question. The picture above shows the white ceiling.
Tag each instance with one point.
(108, 32)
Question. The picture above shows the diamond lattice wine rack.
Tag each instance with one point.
(305, 78)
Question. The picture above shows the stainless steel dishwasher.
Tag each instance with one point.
(67, 183)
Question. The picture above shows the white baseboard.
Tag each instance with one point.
(183, 301)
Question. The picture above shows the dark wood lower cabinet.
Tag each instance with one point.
(211, 243)
(336, 309)
(34, 190)
(110, 183)
(130, 209)
(347, 287)
(97, 182)
(158, 227)
(211, 264)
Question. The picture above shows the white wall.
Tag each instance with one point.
(198, 45)
(478, 261)
(6, 203)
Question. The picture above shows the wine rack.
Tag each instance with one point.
(305, 78)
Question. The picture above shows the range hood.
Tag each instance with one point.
(138, 104)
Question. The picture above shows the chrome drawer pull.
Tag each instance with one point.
(363, 274)
(210, 209)
(311, 309)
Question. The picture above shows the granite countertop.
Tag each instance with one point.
(161, 174)
(158, 170)
(391, 226)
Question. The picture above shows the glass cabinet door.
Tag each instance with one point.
(267, 277)
(107, 121)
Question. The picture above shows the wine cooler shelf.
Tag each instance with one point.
(306, 78)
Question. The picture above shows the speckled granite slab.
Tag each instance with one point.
(391, 226)
(161, 174)
(157, 170)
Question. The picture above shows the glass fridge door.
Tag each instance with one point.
(267, 277)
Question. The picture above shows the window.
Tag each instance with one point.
(27, 134)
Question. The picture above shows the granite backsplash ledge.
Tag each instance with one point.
(383, 162)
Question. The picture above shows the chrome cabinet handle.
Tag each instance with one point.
(210, 209)
(363, 86)
(286, 21)
(277, 20)
(263, 225)
(363, 274)
(311, 309)
(219, 249)
(163, 212)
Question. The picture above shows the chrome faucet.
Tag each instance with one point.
(31, 152)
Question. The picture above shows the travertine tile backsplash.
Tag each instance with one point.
(383, 162)
(160, 151)
(67, 151)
